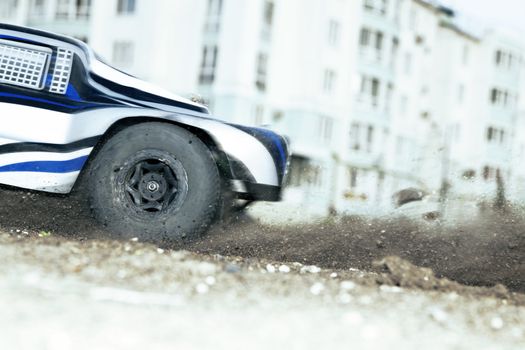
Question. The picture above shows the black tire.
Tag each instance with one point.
(155, 181)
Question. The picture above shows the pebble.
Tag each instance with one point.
(390, 289)
(317, 288)
(496, 323)
(310, 269)
(210, 280)
(134, 239)
(333, 275)
(438, 314)
(270, 268)
(232, 268)
(348, 285)
(284, 268)
(160, 250)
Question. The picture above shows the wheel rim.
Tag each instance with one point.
(155, 183)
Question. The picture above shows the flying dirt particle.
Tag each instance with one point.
(284, 269)
(317, 288)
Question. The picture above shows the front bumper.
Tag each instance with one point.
(256, 192)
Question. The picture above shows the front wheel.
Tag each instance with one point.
(155, 181)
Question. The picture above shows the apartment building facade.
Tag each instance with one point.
(374, 95)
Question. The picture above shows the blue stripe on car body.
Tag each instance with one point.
(58, 167)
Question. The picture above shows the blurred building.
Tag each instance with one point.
(375, 95)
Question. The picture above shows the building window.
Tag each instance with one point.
(490, 172)
(370, 89)
(208, 65)
(403, 105)
(38, 9)
(371, 39)
(495, 135)
(269, 8)
(8, 8)
(213, 16)
(123, 55)
(333, 33)
(408, 63)
(304, 172)
(126, 6)
(461, 93)
(465, 55)
(389, 96)
(506, 60)
(262, 71)
(258, 115)
(326, 125)
(83, 8)
(352, 177)
(364, 37)
(370, 139)
(214, 8)
(329, 81)
(62, 10)
(355, 144)
(502, 98)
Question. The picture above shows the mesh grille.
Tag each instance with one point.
(61, 71)
(23, 65)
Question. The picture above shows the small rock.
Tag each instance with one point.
(496, 323)
(438, 314)
(210, 280)
(284, 269)
(160, 250)
(333, 275)
(390, 289)
(310, 269)
(347, 285)
(270, 268)
(232, 268)
(134, 239)
(317, 288)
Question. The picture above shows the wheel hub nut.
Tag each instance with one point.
(153, 186)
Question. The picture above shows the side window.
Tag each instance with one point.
(61, 71)
(35, 67)
(24, 65)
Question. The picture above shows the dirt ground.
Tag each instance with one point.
(484, 252)
(364, 283)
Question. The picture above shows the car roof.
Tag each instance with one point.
(44, 34)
